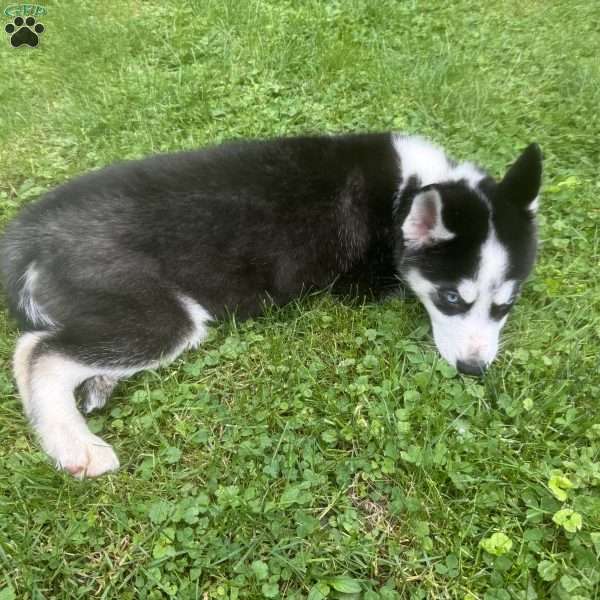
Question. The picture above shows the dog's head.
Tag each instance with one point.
(465, 251)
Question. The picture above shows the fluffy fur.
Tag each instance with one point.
(123, 269)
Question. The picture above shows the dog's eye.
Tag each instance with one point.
(451, 296)
(450, 302)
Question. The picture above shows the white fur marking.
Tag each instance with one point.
(419, 285)
(505, 292)
(535, 205)
(27, 303)
(467, 171)
(467, 288)
(493, 263)
(420, 158)
(22, 363)
(199, 317)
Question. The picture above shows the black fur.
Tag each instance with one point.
(233, 227)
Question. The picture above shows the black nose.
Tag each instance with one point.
(477, 368)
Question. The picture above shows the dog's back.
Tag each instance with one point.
(264, 218)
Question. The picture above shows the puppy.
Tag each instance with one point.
(123, 269)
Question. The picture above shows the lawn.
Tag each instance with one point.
(323, 450)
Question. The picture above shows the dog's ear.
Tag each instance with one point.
(522, 181)
(423, 225)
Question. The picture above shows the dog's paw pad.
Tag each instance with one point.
(24, 32)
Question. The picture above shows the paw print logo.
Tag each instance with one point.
(24, 31)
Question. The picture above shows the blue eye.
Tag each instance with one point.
(452, 297)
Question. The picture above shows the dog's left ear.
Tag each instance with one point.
(522, 181)
(423, 225)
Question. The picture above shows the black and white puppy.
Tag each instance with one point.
(122, 269)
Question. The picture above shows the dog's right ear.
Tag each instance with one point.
(521, 184)
(423, 225)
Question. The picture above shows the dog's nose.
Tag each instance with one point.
(475, 368)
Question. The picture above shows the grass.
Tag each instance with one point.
(323, 450)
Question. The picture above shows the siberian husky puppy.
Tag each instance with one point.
(123, 269)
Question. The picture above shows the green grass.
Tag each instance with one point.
(324, 448)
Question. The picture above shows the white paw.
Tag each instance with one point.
(81, 453)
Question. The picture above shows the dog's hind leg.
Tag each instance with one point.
(143, 332)
(46, 380)
(95, 392)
